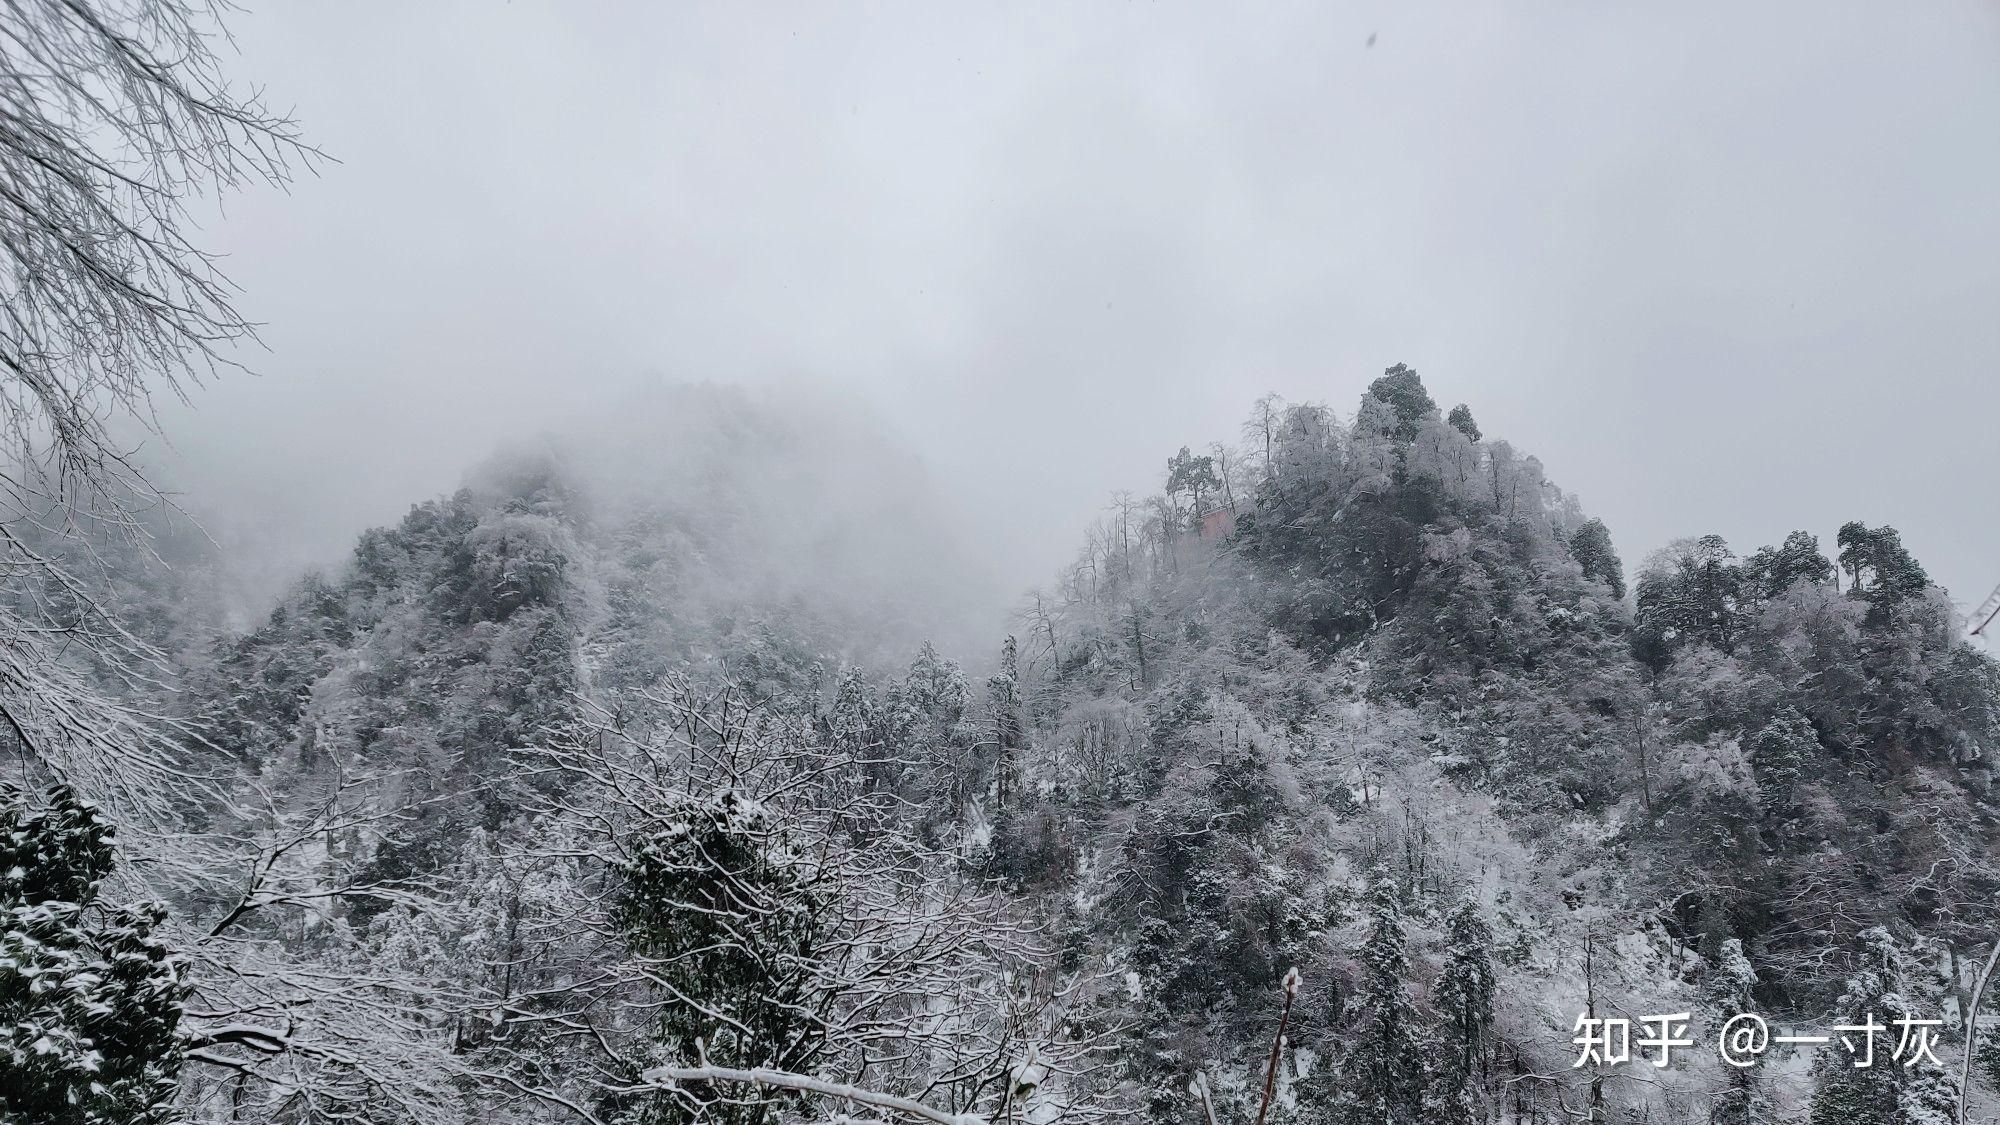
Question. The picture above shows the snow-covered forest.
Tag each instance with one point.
(545, 797)
(660, 775)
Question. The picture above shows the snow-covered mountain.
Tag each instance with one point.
(627, 769)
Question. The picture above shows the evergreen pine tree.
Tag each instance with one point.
(1886, 1092)
(1772, 570)
(1742, 1099)
(853, 726)
(90, 1000)
(1844, 1094)
(1194, 476)
(927, 711)
(1463, 997)
(1591, 547)
(1881, 570)
(1003, 691)
(1687, 593)
(1461, 420)
(723, 908)
(1783, 754)
(1400, 387)
(1385, 1079)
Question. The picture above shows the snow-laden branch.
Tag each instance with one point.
(665, 1078)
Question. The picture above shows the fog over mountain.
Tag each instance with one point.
(1694, 257)
(1072, 565)
(818, 496)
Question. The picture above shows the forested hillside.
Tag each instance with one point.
(580, 796)
(684, 766)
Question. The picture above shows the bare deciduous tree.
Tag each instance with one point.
(114, 118)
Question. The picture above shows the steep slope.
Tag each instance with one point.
(400, 739)
(704, 531)
(1403, 715)
(613, 760)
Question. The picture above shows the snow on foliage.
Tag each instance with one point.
(530, 814)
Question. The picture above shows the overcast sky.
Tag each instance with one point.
(1722, 267)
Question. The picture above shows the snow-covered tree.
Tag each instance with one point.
(727, 911)
(1460, 419)
(1884, 1092)
(767, 915)
(1743, 1098)
(1463, 998)
(1386, 1074)
(1591, 545)
(90, 996)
